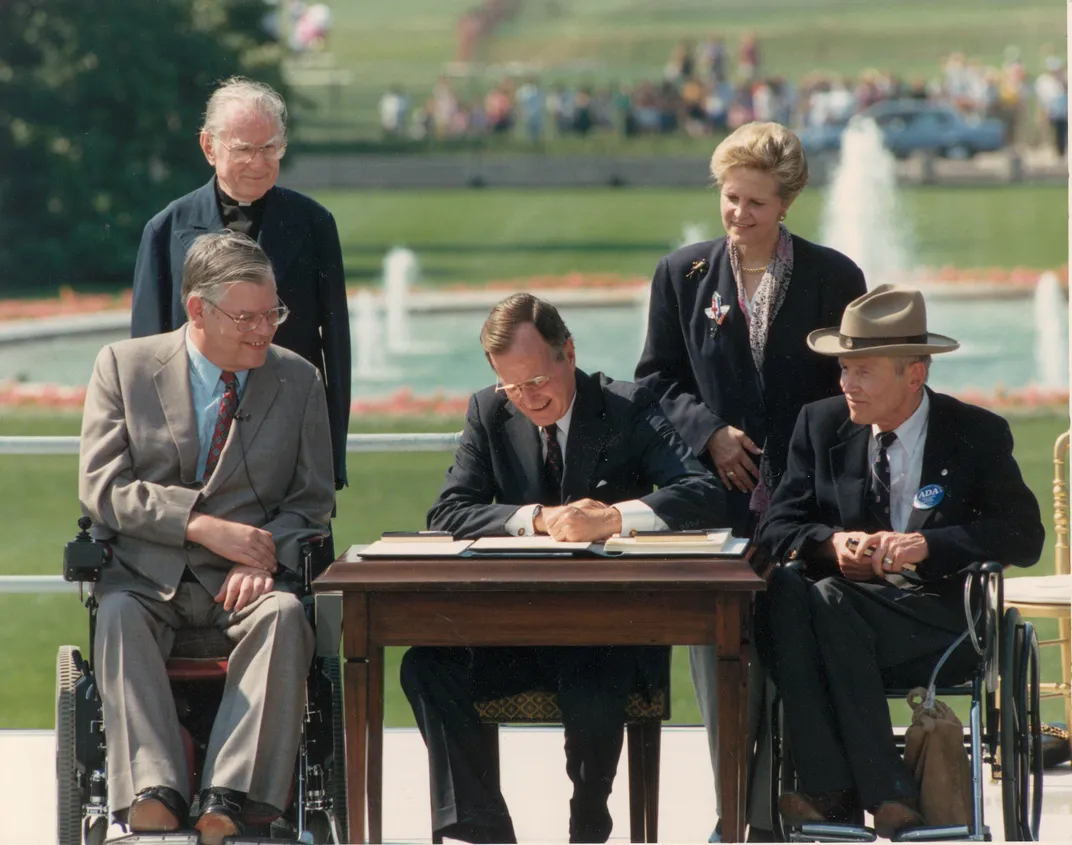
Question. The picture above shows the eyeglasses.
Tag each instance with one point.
(250, 322)
(245, 153)
(534, 383)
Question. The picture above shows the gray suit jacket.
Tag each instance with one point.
(138, 463)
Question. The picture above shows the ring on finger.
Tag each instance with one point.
(887, 561)
(730, 474)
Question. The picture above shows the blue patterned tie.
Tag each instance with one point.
(880, 480)
(228, 405)
(552, 467)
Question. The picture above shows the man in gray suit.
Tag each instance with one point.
(206, 458)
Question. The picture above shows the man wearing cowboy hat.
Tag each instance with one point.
(890, 491)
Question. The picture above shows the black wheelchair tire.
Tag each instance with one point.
(1020, 730)
(68, 794)
(337, 790)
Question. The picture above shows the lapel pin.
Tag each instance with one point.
(927, 497)
(945, 472)
(698, 268)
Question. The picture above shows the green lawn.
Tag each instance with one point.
(389, 491)
(484, 235)
(600, 42)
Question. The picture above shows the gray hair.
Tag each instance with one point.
(218, 260)
(238, 91)
(497, 333)
(900, 364)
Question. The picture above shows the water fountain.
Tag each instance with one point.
(860, 215)
(694, 233)
(370, 362)
(400, 272)
(1051, 334)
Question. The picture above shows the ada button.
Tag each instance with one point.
(928, 497)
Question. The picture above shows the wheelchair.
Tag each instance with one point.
(197, 669)
(1004, 726)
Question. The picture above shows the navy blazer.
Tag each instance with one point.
(619, 447)
(300, 237)
(986, 512)
(705, 375)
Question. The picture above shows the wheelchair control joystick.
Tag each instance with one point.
(83, 557)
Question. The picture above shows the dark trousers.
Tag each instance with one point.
(832, 647)
(592, 685)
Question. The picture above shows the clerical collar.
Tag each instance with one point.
(228, 201)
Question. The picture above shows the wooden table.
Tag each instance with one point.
(531, 602)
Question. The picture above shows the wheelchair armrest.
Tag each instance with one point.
(85, 556)
(984, 595)
(317, 553)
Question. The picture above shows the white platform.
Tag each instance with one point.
(534, 783)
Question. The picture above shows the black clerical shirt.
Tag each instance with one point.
(239, 216)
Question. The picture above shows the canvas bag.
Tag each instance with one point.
(935, 754)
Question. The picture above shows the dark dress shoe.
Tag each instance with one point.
(157, 809)
(221, 814)
(1055, 745)
(799, 808)
(478, 833)
(891, 817)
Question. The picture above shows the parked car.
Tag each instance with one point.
(910, 126)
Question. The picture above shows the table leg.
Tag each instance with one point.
(375, 744)
(732, 716)
(356, 697)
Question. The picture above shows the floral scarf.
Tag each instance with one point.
(765, 305)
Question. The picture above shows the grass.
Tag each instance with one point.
(605, 42)
(389, 491)
(485, 235)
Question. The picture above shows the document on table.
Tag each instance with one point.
(716, 542)
(416, 547)
(525, 545)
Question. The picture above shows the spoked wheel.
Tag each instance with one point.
(68, 795)
(1021, 730)
(337, 775)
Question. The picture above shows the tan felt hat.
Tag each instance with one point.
(889, 321)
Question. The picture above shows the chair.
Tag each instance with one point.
(1004, 727)
(644, 719)
(197, 669)
(1050, 596)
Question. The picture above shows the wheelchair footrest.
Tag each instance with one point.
(937, 834)
(831, 832)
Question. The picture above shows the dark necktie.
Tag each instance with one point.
(228, 404)
(552, 467)
(880, 480)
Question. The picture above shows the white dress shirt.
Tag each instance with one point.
(906, 462)
(636, 516)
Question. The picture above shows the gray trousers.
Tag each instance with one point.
(254, 740)
(703, 664)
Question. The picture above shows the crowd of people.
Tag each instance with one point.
(703, 90)
(774, 394)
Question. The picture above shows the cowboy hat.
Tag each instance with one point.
(888, 322)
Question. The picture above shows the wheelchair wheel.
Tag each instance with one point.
(337, 788)
(1021, 730)
(68, 793)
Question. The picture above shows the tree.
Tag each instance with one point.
(100, 106)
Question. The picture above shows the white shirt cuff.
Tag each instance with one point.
(520, 524)
(637, 516)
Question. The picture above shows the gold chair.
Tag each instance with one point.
(1051, 595)
(644, 720)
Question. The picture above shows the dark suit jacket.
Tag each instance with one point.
(987, 511)
(300, 238)
(707, 382)
(617, 434)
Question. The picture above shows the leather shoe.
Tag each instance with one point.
(891, 817)
(157, 809)
(221, 813)
(799, 808)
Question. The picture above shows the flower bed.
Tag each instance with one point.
(404, 403)
(70, 302)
